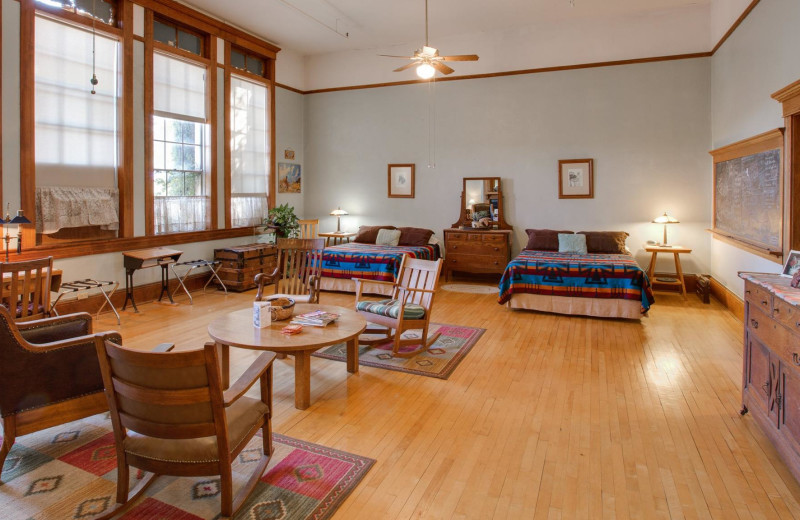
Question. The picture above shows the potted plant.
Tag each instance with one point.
(283, 220)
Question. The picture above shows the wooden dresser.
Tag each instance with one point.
(476, 251)
(771, 371)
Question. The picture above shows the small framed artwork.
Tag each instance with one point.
(792, 265)
(289, 178)
(576, 179)
(401, 181)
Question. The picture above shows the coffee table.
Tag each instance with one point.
(236, 329)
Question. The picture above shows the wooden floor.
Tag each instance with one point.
(547, 417)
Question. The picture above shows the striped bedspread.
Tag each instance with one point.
(582, 276)
(380, 263)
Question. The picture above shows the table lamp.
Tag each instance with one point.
(338, 212)
(665, 219)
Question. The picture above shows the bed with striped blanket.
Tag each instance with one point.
(601, 285)
(342, 263)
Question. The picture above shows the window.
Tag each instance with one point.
(180, 137)
(244, 61)
(170, 34)
(250, 154)
(102, 10)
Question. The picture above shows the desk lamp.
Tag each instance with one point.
(338, 212)
(665, 219)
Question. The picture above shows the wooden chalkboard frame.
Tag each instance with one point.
(772, 140)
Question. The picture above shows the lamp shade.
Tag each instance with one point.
(665, 219)
(338, 212)
(19, 219)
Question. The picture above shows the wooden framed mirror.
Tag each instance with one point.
(479, 196)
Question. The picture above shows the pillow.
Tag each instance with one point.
(572, 243)
(605, 242)
(413, 236)
(368, 234)
(387, 237)
(543, 239)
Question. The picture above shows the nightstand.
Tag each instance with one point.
(338, 238)
(678, 279)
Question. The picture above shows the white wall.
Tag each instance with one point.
(759, 58)
(289, 122)
(646, 126)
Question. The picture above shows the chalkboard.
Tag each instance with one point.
(747, 199)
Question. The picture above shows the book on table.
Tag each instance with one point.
(315, 318)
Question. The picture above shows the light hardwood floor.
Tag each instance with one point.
(548, 417)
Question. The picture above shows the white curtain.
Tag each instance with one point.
(179, 89)
(76, 131)
(179, 214)
(249, 152)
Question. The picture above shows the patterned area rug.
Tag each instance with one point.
(470, 288)
(439, 361)
(69, 472)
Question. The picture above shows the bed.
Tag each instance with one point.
(368, 261)
(591, 284)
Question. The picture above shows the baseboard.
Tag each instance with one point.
(727, 298)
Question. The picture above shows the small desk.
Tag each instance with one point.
(338, 238)
(144, 258)
(675, 250)
(236, 329)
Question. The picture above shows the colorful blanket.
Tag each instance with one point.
(581, 276)
(380, 263)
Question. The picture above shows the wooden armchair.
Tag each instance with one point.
(49, 374)
(408, 308)
(308, 228)
(25, 289)
(171, 417)
(298, 271)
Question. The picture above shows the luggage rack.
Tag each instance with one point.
(86, 285)
(213, 266)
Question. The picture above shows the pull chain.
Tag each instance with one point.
(94, 81)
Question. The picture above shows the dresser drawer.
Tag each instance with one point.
(473, 248)
(758, 297)
(787, 314)
(476, 263)
(451, 237)
(495, 238)
(769, 331)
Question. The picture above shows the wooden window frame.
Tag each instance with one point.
(789, 97)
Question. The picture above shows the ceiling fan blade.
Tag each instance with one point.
(406, 66)
(460, 57)
(441, 67)
(392, 56)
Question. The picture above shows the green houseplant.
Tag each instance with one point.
(283, 220)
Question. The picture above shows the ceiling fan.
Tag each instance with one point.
(427, 59)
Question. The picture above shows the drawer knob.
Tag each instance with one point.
(765, 387)
(754, 323)
(497, 249)
(764, 303)
(455, 247)
(796, 358)
(747, 291)
(776, 311)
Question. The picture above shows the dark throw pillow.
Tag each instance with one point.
(543, 239)
(368, 234)
(414, 236)
(606, 242)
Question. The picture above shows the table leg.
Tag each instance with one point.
(680, 274)
(129, 289)
(302, 379)
(652, 269)
(165, 283)
(223, 351)
(352, 356)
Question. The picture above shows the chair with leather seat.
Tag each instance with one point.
(25, 289)
(171, 417)
(408, 308)
(297, 274)
(49, 374)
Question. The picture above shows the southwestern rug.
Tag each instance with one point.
(439, 361)
(69, 472)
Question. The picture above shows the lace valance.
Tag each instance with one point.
(60, 207)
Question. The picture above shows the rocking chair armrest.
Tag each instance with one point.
(248, 379)
(360, 281)
(263, 279)
(56, 323)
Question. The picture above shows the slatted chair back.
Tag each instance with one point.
(417, 281)
(299, 266)
(25, 288)
(308, 228)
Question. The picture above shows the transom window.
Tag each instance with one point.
(244, 61)
(102, 10)
(171, 34)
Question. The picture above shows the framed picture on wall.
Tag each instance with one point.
(576, 179)
(401, 181)
(289, 178)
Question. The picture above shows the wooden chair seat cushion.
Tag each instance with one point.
(391, 309)
(242, 416)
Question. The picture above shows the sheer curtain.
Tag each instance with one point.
(179, 92)
(249, 152)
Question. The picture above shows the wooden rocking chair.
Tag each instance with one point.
(298, 271)
(409, 307)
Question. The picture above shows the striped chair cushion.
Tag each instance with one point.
(391, 309)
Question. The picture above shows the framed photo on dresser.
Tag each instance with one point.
(792, 265)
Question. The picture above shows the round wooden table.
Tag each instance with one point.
(236, 330)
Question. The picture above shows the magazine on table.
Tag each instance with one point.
(316, 318)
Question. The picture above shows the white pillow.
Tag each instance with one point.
(572, 243)
(388, 237)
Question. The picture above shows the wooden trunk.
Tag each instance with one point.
(241, 264)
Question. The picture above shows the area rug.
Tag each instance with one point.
(439, 361)
(470, 288)
(69, 472)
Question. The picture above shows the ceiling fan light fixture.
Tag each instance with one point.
(425, 71)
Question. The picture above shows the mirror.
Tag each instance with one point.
(481, 199)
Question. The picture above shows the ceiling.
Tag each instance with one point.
(312, 27)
